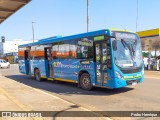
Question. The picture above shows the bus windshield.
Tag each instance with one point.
(128, 51)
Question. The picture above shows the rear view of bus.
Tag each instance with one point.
(126, 59)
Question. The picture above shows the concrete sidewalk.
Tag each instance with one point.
(152, 74)
(15, 96)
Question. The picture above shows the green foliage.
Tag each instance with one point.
(146, 54)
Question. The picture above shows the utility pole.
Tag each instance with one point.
(137, 16)
(87, 15)
(33, 30)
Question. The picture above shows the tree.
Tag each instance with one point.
(146, 54)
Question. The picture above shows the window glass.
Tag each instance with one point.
(78, 49)
(4, 61)
(55, 48)
(60, 50)
(37, 52)
(64, 50)
(21, 53)
(73, 48)
(98, 53)
(104, 52)
(85, 49)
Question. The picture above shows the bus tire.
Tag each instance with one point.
(85, 81)
(37, 75)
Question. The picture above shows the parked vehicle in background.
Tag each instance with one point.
(4, 64)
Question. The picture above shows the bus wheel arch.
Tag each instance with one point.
(37, 74)
(85, 80)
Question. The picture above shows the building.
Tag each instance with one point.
(11, 57)
(1, 49)
(9, 49)
(151, 42)
(150, 39)
(12, 45)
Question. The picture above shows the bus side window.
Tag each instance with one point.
(79, 52)
(54, 51)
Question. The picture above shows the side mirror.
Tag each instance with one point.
(114, 45)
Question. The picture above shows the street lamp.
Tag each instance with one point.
(87, 15)
(33, 30)
(137, 17)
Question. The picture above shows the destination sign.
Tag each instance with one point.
(125, 35)
(85, 42)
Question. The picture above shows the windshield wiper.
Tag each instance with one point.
(130, 48)
(125, 45)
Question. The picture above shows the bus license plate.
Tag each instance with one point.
(134, 83)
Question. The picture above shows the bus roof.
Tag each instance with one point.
(60, 38)
(120, 30)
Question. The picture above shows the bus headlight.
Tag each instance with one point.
(119, 75)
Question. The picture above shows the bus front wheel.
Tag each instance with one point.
(37, 75)
(85, 81)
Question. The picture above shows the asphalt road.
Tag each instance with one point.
(141, 97)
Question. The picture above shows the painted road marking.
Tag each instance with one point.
(68, 102)
(17, 102)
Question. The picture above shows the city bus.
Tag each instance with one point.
(104, 58)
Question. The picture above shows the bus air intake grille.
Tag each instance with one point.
(131, 71)
(131, 82)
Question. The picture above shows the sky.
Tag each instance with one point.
(68, 17)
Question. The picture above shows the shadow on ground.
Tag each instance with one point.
(64, 87)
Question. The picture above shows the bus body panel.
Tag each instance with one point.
(38, 64)
(128, 79)
(66, 69)
(27, 64)
(22, 67)
(69, 69)
(136, 78)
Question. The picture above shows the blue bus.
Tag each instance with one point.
(105, 58)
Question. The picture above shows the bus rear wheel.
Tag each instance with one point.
(85, 81)
(37, 75)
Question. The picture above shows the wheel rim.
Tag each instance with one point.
(86, 82)
(37, 75)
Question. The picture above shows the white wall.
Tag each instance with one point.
(1, 48)
(12, 46)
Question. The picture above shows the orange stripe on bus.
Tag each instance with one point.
(54, 53)
(64, 54)
(37, 53)
(21, 53)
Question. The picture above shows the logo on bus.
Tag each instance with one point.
(60, 65)
(56, 64)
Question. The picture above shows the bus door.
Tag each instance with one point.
(101, 62)
(27, 61)
(48, 62)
